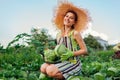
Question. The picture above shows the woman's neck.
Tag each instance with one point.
(66, 30)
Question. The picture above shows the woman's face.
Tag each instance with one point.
(69, 19)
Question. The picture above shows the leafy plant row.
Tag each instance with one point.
(22, 66)
(100, 66)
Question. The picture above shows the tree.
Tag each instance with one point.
(24, 37)
(41, 40)
(92, 42)
(20, 41)
(109, 47)
(2, 50)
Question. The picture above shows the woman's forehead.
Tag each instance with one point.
(70, 13)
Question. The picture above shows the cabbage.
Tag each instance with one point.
(99, 76)
(60, 49)
(49, 55)
(111, 71)
(96, 66)
(53, 56)
(42, 76)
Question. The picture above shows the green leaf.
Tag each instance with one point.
(99, 76)
(111, 71)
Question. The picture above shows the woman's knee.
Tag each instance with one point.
(52, 70)
(43, 67)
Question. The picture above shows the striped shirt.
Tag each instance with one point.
(69, 68)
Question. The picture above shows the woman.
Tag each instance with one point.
(71, 21)
(116, 49)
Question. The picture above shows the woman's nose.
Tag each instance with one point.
(67, 18)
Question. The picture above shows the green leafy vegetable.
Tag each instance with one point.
(60, 49)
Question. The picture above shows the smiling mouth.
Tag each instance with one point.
(66, 21)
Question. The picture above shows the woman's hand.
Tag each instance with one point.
(67, 55)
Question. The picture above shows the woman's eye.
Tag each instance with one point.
(71, 18)
(66, 16)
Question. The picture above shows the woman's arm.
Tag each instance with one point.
(83, 49)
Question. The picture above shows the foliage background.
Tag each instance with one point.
(22, 58)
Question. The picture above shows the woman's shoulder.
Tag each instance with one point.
(76, 33)
(58, 34)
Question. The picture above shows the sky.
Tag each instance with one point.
(19, 16)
